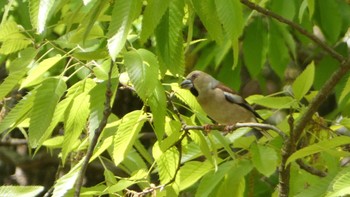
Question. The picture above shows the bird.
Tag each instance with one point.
(219, 102)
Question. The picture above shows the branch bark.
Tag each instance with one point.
(295, 26)
(298, 128)
(97, 133)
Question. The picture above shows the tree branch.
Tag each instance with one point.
(295, 26)
(297, 130)
(229, 128)
(96, 135)
(310, 169)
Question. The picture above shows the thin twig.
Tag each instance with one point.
(295, 26)
(310, 169)
(228, 128)
(97, 133)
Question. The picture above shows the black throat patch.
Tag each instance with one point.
(194, 91)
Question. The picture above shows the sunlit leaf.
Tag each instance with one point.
(67, 181)
(45, 101)
(40, 10)
(319, 147)
(18, 113)
(142, 68)
(20, 191)
(39, 70)
(191, 172)
(280, 102)
(157, 103)
(340, 185)
(123, 14)
(11, 38)
(75, 119)
(167, 164)
(304, 81)
(126, 134)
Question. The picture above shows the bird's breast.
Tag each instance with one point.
(222, 111)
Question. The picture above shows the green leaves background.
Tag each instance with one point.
(57, 55)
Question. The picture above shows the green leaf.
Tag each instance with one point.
(231, 16)
(18, 113)
(152, 16)
(101, 147)
(20, 191)
(304, 81)
(311, 7)
(212, 179)
(134, 162)
(198, 138)
(157, 103)
(92, 16)
(75, 119)
(123, 14)
(340, 185)
(223, 142)
(55, 142)
(278, 54)
(207, 12)
(126, 135)
(255, 46)
(191, 172)
(142, 68)
(44, 107)
(264, 159)
(280, 102)
(316, 189)
(328, 16)
(186, 97)
(284, 8)
(38, 71)
(167, 165)
(101, 70)
(344, 96)
(67, 181)
(319, 147)
(40, 10)
(121, 185)
(18, 68)
(11, 38)
(234, 181)
(169, 39)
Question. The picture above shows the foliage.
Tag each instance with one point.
(60, 56)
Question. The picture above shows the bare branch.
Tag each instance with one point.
(96, 135)
(229, 128)
(295, 26)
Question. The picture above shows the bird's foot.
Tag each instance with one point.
(229, 128)
(207, 128)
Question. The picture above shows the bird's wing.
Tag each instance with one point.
(236, 99)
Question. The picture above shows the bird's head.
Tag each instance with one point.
(198, 81)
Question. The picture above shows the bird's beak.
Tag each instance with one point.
(186, 84)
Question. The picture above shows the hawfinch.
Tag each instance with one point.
(219, 102)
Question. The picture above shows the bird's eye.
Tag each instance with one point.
(194, 76)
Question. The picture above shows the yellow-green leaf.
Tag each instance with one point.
(304, 81)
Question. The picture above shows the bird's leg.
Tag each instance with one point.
(229, 128)
(207, 128)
